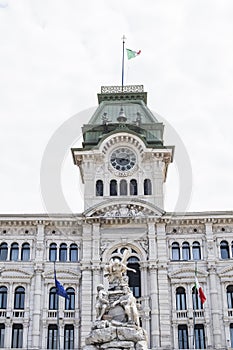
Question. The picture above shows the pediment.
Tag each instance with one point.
(124, 209)
(226, 272)
(63, 274)
(15, 273)
(187, 273)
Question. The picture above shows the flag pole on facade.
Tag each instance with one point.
(58, 327)
(123, 61)
(60, 291)
(200, 294)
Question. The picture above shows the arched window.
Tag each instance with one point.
(52, 337)
(99, 188)
(19, 298)
(183, 336)
(3, 297)
(199, 336)
(175, 251)
(197, 304)
(63, 252)
(133, 187)
(14, 253)
(123, 188)
(3, 251)
(113, 188)
(53, 252)
(134, 277)
(180, 299)
(53, 299)
(70, 302)
(230, 296)
(224, 248)
(2, 335)
(69, 337)
(17, 336)
(73, 252)
(25, 252)
(147, 187)
(196, 249)
(185, 251)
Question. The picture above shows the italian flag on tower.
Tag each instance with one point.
(132, 54)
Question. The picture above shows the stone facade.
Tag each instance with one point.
(164, 248)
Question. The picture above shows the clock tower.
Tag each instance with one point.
(123, 162)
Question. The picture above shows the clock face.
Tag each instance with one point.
(123, 159)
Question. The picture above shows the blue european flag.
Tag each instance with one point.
(60, 290)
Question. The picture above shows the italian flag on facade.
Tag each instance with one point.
(132, 54)
(200, 291)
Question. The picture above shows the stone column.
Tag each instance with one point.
(36, 316)
(163, 288)
(95, 261)
(215, 309)
(8, 332)
(153, 286)
(37, 295)
(86, 283)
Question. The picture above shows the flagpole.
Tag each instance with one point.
(58, 328)
(194, 309)
(123, 61)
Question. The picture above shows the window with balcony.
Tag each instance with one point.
(25, 252)
(2, 335)
(73, 252)
(197, 304)
(14, 252)
(53, 299)
(224, 249)
(63, 252)
(199, 332)
(183, 342)
(3, 297)
(19, 298)
(53, 252)
(70, 301)
(3, 251)
(69, 337)
(17, 336)
(52, 340)
(230, 296)
(180, 299)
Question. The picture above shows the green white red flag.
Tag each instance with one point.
(200, 291)
(132, 54)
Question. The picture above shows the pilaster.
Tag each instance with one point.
(163, 288)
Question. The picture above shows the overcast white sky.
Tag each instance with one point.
(56, 54)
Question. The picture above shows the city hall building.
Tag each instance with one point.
(123, 165)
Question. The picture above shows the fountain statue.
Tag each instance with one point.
(117, 324)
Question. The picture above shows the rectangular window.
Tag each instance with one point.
(52, 337)
(69, 337)
(2, 335)
(199, 336)
(183, 337)
(17, 336)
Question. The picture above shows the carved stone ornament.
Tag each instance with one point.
(124, 211)
(117, 317)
